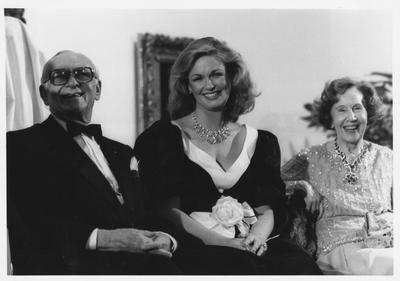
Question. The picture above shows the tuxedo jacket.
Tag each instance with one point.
(56, 196)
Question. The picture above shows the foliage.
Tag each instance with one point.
(381, 131)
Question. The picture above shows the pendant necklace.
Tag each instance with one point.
(211, 136)
(350, 176)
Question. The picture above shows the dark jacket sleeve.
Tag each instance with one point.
(161, 163)
(161, 169)
(28, 222)
(271, 187)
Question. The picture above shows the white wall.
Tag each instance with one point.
(290, 53)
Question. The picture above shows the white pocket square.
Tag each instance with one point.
(134, 164)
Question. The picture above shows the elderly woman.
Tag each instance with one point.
(349, 183)
(218, 181)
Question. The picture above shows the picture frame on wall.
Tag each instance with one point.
(154, 56)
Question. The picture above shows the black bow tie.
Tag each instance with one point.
(75, 129)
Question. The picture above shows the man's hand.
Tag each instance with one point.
(163, 239)
(133, 240)
(165, 242)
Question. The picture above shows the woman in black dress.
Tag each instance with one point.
(187, 165)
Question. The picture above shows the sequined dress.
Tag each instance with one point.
(359, 212)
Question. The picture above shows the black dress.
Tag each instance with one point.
(167, 172)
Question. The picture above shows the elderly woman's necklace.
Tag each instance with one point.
(350, 176)
(211, 136)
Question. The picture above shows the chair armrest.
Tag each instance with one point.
(300, 189)
(300, 225)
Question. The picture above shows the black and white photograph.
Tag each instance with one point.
(199, 139)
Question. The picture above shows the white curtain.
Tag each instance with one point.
(24, 64)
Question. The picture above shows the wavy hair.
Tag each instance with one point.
(330, 96)
(242, 93)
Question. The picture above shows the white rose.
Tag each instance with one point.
(227, 211)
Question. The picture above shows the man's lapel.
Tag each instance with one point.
(119, 166)
(65, 151)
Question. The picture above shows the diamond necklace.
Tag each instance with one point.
(350, 176)
(211, 136)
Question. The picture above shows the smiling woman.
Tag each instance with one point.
(207, 83)
(349, 183)
(349, 118)
(203, 154)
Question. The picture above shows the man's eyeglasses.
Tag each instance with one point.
(60, 77)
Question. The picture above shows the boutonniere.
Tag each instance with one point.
(228, 217)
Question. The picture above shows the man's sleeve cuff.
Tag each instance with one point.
(173, 240)
(91, 243)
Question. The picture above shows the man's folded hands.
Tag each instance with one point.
(134, 241)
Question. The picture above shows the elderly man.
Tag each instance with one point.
(74, 203)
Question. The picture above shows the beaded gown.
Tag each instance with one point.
(352, 214)
(172, 166)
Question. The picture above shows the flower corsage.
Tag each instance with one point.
(228, 218)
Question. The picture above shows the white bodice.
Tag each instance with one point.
(223, 179)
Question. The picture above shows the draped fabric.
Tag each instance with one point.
(23, 69)
(24, 64)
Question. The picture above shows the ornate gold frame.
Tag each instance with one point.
(152, 53)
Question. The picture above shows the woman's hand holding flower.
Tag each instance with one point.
(232, 222)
